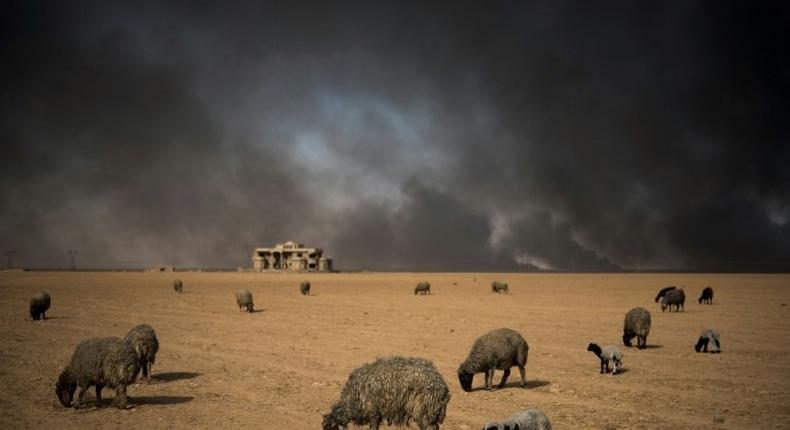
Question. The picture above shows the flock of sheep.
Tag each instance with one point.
(396, 390)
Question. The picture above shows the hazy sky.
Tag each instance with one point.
(455, 136)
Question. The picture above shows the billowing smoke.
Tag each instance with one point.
(404, 137)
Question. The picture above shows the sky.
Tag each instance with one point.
(425, 136)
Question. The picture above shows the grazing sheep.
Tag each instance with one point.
(101, 362)
(707, 296)
(143, 340)
(178, 286)
(39, 305)
(498, 349)
(304, 288)
(637, 323)
(422, 288)
(499, 287)
(673, 298)
(711, 337)
(393, 389)
(244, 300)
(607, 354)
(663, 291)
(529, 419)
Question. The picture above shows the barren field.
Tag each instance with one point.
(282, 367)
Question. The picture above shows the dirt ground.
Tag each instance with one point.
(284, 365)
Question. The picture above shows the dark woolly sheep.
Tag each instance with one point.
(637, 323)
(39, 305)
(422, 288)
(304, 288)
(143, 340)
(393, 389)
(663, 292)
(498, 349)
(499, 287)
(529, 419)
(707, 337)
(244, 300)
(178, 286)
(607, 354)
(674, 298)
(100, 362)
(707, 296)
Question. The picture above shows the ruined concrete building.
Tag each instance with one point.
(290, 256)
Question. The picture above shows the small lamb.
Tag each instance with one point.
(607, 354)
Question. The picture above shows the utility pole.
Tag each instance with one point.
(73, 254)
(10, 254)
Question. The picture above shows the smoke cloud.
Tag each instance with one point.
(506, 136)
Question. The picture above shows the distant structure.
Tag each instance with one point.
(290, 256)
(161, 269)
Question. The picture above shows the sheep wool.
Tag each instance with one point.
(146, 345)
(529, 419)
(636, 324)
(100, 362)
(498, 349)
(393, 389)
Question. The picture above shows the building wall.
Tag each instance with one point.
(290, 256)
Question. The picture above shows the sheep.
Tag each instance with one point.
(607, 354)
(707, 296)
(392, 389)
(499, 287)
(673, 298)
(528, 419)
(637, 323)
(143, 340)
(498, 349)
(244, 300)
(304, 288)
(100, 362)
(711, 337)
(39, 305)
(663, 292)
(422, 288)
(178, 286)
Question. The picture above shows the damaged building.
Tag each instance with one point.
(291, 256)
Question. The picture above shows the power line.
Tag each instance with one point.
(73, 254)
(10, 254)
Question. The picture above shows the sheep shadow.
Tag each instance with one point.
(56, 318)
(535, 383)
(256, 311)
(159, 400)
(620, 372)
(174, 376)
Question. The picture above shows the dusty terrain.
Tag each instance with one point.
(284, 366)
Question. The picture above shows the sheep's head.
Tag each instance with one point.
(336, 419)
(627, 339)
(250, 306)
(465, 378)
(65, 388)
(594, 348)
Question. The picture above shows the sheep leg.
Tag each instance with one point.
(374, 423)
(99, 387)
(120, 397)
(490, 379)
(149, 364)
(523, 373)
(505, 375)
(80, 393)
(606, 364)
